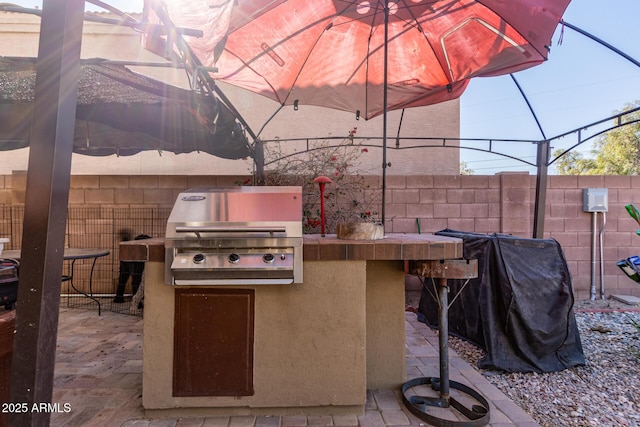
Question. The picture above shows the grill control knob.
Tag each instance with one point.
(283, 257)
(234, 258)
(198, 258)
(268, 258)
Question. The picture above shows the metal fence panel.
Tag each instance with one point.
(99, 228)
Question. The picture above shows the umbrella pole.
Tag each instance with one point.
(384, 114)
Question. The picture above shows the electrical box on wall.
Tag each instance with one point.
(595, 199)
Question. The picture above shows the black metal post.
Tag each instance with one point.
(258, 158)
(542, 163)
(384, 115)
(443, 338)
(47, 194)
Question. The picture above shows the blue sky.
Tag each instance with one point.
(582, 82)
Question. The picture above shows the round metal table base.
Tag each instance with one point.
(477, 415)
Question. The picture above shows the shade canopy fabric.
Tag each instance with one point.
(331, 52)
(121, 112)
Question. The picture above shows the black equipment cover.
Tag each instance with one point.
(519, 309)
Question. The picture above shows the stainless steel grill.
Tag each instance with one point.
(235, 235)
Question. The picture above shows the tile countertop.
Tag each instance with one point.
(392, 247)
(395, 246)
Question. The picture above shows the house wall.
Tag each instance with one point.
(20, 32)
(501, 203)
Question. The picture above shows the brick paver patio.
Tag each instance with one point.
(99, 375)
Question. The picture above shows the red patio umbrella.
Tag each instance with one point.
(331, 52)
(371, 56)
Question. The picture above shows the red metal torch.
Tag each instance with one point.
(322, 181)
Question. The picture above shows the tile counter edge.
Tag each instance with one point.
(395, 246)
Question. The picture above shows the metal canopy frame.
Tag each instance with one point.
(544, 158)
(47, 194)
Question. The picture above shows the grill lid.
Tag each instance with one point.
(236, 210)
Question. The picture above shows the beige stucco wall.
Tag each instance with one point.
(309, 350)
(386, 365)
(20, 32)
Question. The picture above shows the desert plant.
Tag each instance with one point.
(349, 197)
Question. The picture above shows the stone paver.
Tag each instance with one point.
(268, 421)
(386, 400)
(371, 419)
(294, 421)
(190, 422)
(395, 418)
(320, 420)
(216, 422)
(242, 421)
(345, 420)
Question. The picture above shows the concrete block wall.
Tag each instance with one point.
(572, 227)
(132, 191)
(505, 203)
(502, 203)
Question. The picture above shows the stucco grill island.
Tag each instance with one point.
(314, 345)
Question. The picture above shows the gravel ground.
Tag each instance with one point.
(604, 392)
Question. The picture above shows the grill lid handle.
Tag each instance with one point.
(229, 229)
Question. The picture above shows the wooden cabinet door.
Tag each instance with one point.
(213, 342)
